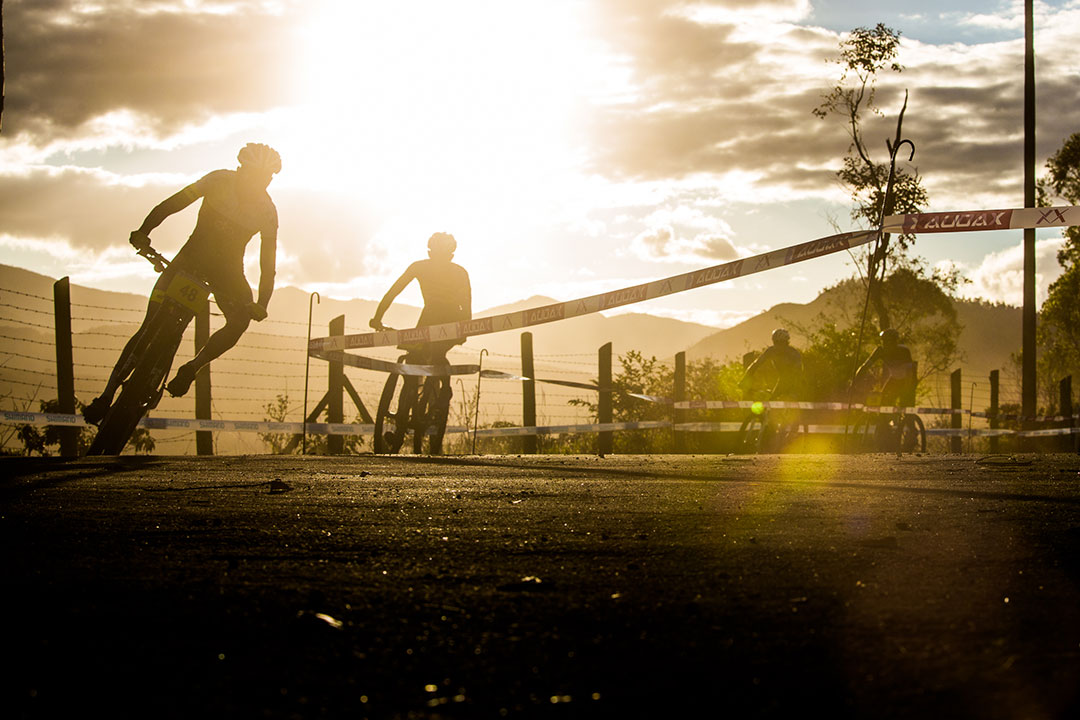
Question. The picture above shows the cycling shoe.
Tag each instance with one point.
(95, 412)
(180, 384)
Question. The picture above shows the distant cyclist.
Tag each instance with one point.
(782, 367)
(897, 370)
(235, 206)
(446, 290)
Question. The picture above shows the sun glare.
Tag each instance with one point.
(456, 116)
(437, 98)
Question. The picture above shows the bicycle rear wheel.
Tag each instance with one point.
(431, 413)
(750, 434)
(138, 394)
(913, 435)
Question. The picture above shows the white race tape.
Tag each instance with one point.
(958, 221)
(975, 220)
(604, 301)
(164, 423)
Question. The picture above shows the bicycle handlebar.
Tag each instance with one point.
(160, 262)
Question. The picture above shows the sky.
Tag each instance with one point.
(572, 147)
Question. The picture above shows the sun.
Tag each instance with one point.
(444, 99)
(445, 116)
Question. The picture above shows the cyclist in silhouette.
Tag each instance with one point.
(446, 290)
(235, 206)
(897, 370)
(782, 364)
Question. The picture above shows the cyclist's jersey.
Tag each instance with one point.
(228, 219)
(787, 366)
(446, 290)
(896, 363)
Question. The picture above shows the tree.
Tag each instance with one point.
(705, 380)
(877, 188)
(1058, 331)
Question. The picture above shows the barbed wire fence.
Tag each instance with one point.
(268, 367)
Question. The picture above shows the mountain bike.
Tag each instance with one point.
(767, 430)
(420, 407)
(895, 432)
(152, 357)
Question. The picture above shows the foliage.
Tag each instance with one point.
(877, 188)
(924, 315)
(1058, 330)
(39, 440)
(705, 380)
(290, 443)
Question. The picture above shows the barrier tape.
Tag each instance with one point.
(959, 221)
(603, 301)
(295, 428)
(978, 220)
(162, 423)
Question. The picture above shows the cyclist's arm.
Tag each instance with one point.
(267, 265)
(406, 277)
(869, 363)
(468, 298)
(169, 206)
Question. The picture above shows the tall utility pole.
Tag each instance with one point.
(1029, 402)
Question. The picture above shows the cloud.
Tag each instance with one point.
(69, 62)
(713, 94)
(999, 278)
(663, 244)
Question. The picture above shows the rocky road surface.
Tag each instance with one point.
(546, 587)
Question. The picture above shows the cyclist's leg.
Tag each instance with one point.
(233, 303)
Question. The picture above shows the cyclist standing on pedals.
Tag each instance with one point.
(897, 370)
(447, 295)
(235, 206)
(782, 365)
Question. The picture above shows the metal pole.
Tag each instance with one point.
(307, 365)
(1029, 400)
(529, 443)
(204, 439)
(476, 410)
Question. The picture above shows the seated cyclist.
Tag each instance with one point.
(782, 365)
(446, 290)
(897, 370)
(235, 206)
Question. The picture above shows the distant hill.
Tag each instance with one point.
(991, 334)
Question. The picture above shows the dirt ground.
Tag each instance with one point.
(552, 586)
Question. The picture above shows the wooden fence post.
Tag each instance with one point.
(529, 443)
(605, 441)
(995, 423)
(679, 416)
(204, 439)
(1066, 408)
(956, 443)
(65, 371)
(335, 392)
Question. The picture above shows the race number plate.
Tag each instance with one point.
(185, 290)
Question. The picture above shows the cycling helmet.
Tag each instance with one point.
(259, 157)
(442, 242)
(889, 337)
(780, 336)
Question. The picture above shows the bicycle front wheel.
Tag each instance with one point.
(389, 430)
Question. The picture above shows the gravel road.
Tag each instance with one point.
(549, 587)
